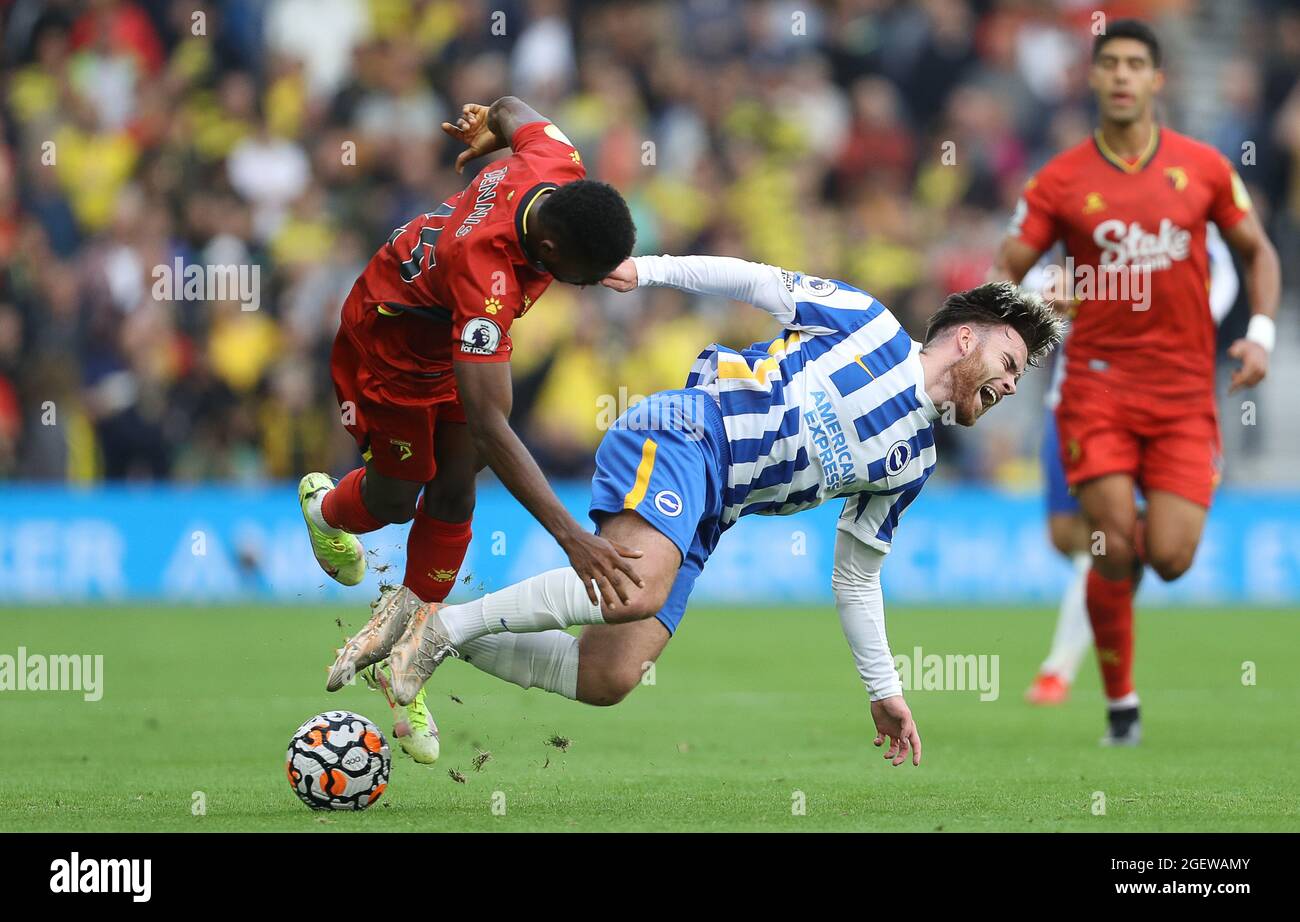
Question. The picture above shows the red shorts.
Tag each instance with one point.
(1161, 444)
(392, 412)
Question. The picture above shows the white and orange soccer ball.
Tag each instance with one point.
(338, 760)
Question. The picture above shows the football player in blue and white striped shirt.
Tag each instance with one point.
(843, 404)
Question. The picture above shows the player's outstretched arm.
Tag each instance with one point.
(1264, 284)
(861, 604)
(485, 391)
(484, 129)
(755, 283)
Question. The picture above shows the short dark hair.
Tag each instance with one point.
(997, 303)
(592, 218)
(1129, 28)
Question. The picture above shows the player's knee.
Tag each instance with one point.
(1171, 563)
(646, 602)
(1061, 540)
(1067, 534)
(390, 501)
(449, 505)
(605, 696)
(392, 510)
(610, 685)
(1113, 552)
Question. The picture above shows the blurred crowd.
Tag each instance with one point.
(875, 141)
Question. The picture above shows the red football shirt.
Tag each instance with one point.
(1148, 217)
(463, 264)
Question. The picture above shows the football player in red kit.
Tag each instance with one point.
(421, 363)
(1137, 406)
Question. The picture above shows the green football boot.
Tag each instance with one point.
(413, 725)
(342, 556)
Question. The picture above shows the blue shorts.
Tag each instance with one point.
(666, 458)
(1059, 499)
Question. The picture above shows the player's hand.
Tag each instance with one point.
(602, 564)
(894, 721)
(472, 130)
(623, 278)
(1254, 364)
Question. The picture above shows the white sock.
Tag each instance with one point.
(1128, 701)
(1073, 635)
(548, 660)
(554, 599)
(317, 517)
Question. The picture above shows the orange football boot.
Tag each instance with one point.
(1048, 689)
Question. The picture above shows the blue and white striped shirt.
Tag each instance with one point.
(834, 407)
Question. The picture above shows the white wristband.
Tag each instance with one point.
(1262, 330)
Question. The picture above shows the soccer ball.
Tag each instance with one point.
(338, 760)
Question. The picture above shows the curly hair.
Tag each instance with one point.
(1001, 303)
(592, 218)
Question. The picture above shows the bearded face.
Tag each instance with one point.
(986, 374)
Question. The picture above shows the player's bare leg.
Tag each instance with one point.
(1073, 634)
(388, 499)
(556, 599)
(657, 566)
(1173, 532)
(1110, 508)
(1110, 512)
(613, 658)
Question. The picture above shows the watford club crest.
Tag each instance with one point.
(1093, 203)
(442, 576)
(1177, 177)
(402, 450)
(1074, 450)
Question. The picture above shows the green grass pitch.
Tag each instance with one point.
(747, 709)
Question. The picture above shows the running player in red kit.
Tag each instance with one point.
(421, 364)
(1137, 406)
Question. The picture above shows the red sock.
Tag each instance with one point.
(434, 552)
(1110, 609)
(343, 507)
